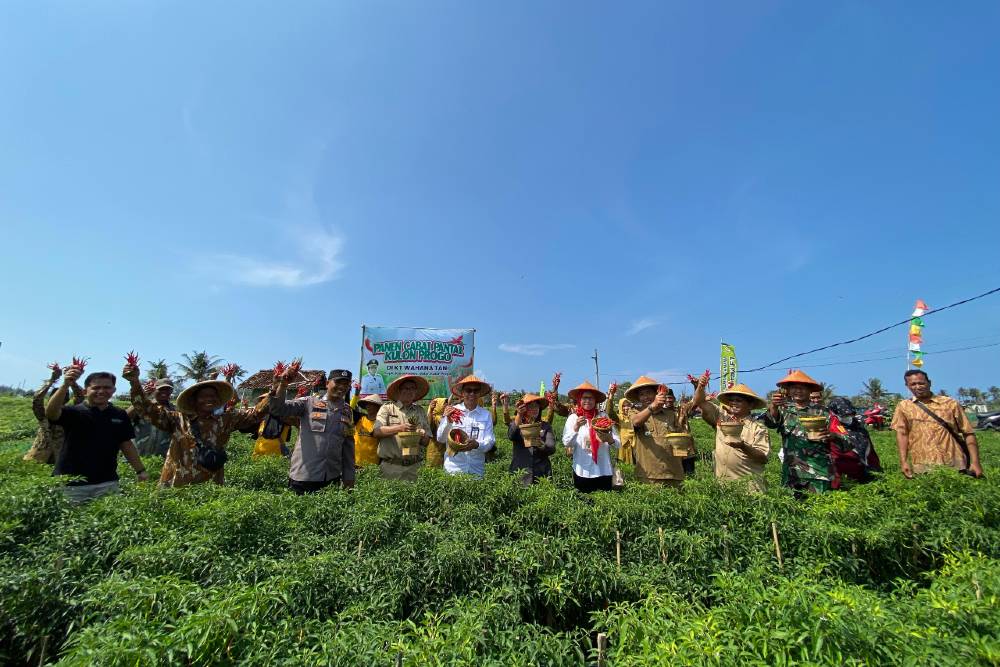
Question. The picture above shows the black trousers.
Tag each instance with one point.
(688, 465)
(309, 487)
(591, 484)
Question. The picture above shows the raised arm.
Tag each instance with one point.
(53, 409)
(609, 402)
(159, 416)
(279, 406)
(38, 400)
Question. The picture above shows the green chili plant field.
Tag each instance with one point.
(458, 572)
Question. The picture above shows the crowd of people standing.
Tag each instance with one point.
(648, 428)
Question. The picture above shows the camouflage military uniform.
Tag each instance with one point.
(49, 438)
(807, 465)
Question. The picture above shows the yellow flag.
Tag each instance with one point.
(915, 330)
(917, 362)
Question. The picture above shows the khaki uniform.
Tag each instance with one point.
(49, 437)
(732, 463)
(391, 461)
(655, 462)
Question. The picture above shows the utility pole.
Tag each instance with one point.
(597, 368)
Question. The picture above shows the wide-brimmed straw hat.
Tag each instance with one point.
(531, 398)
(643, 381)
(798, 377)
(186, 402)
(484, 387)
(746, 392)
(423, 386)
(586, 386)
(373, 399)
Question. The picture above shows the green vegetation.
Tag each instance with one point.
(450, 571)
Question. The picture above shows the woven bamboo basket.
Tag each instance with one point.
(681, 443)
(409, 442)
(815, 427)
(530, 434)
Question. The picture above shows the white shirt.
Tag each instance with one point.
(478, 424)
(372, 384)
(583, 461)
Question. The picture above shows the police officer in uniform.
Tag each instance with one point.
(324, 450)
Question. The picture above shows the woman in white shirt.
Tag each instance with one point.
(589, 447)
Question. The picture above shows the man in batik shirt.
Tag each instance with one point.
(933, 431)
(199, 433)
(49, 437)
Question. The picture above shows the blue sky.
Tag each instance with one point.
(644, 178)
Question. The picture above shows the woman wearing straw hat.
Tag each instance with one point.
(662, 438)
(806, 466)
(473, 429)
(394, 423)
(532, 439)
(197, 451)
(741, 443)
(590, 447)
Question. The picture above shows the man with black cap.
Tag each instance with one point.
(150, 440)
(324, 449)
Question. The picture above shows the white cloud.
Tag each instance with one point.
(318, 261)
(533, 349)
(640, 325)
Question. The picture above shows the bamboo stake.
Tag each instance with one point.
(602, 648)
(361, 544)
(399, 659)
(777, 545)
(663, 552)
(725, 542)
(618, 548)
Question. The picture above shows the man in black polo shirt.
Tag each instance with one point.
(96, 431)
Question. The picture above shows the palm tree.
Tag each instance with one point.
(828, 391)
(874, 391)
(200, 366)
(994, 394)
(158, 370)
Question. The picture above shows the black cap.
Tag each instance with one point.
(372, 361)
(340, 374)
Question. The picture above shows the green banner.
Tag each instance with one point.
(441, 356)
(727, 367)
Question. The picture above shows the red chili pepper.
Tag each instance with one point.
(602, 424)
(455, 416)
(661, 389)
(80, 362)
(707, 373)
(231, 370)
(279, 369)
(149, 386)
(132, 359)
(296, 365)
(54, 366)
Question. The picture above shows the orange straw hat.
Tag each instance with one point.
(422, 386)
(527, 399)
(643, 381)
(586, 386)
(798, 377)
(746, 392)
(484, 387)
